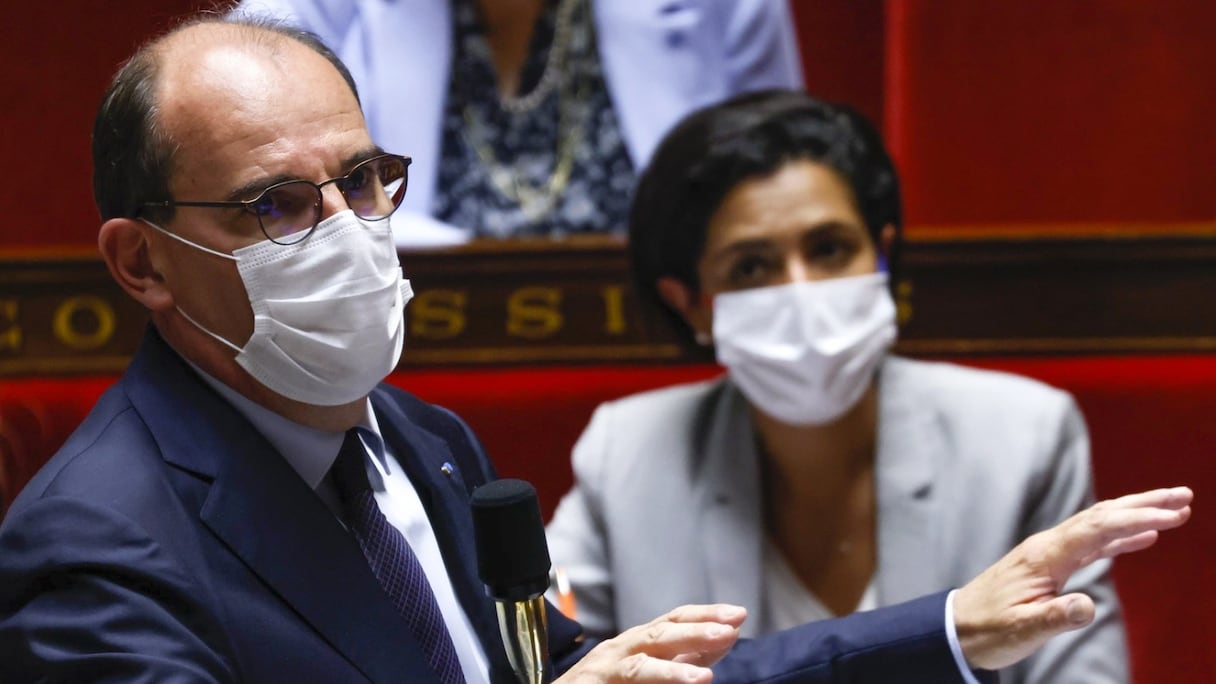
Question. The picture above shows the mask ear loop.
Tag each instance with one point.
(198, 325)
(188, 242)
(185, 315)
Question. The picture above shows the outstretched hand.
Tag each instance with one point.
(1009, 610)
(676, 647)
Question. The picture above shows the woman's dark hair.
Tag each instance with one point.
(714, 149)
(132, 154)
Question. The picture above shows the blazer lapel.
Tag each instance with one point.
(730, 504)
(664, 40)
(910, 445)
(407, 76)
(266, 515)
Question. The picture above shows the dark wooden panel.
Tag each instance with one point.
(569, 302)
(528, 301)
(63, 314)
(1061, 295)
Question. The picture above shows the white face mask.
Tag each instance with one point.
(328, 312)
(804, 353)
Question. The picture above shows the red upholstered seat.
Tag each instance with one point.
(36, 416)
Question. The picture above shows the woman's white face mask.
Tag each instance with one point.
(805, 352)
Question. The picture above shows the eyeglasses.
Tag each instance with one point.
(289, 211)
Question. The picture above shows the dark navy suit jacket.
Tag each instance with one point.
(168, 542)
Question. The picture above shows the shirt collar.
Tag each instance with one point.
(309, 451)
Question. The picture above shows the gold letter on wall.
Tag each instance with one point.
(65, 326)
(903, 301)
(614, 310)
(532, 312)
(437, 314)
(10, 332)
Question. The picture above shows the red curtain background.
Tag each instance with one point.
(1061, 111)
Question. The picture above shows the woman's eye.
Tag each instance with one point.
(832, 251)
(749, 272)
(827, 249)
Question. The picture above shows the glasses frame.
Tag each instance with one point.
(291, 239)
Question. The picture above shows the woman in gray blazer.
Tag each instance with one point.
(821, 474)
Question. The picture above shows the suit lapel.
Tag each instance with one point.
(267, 516)
(729, 502)
(910, 445)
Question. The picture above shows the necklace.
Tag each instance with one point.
(552, 71)
(536, 200)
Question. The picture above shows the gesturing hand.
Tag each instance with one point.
(1010, 609)
(676, 647)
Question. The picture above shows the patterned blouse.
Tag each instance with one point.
(549, 162)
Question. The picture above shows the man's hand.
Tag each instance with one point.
(1013, 607)
(676, 647)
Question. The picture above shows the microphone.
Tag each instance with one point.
(513, 562)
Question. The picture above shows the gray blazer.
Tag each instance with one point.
(665, 507)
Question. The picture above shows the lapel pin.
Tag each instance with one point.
(446, 468)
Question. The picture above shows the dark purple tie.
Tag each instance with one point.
(393, 561)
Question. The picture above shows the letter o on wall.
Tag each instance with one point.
(65, 319)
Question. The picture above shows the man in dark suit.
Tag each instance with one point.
(248, 503)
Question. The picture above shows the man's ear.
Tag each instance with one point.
(681, 299)
(124, 247)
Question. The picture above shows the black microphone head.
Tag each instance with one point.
(512, 554)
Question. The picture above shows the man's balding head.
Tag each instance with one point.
(202, 120)
(132, 149)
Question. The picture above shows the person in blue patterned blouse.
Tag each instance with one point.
(534, 117)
